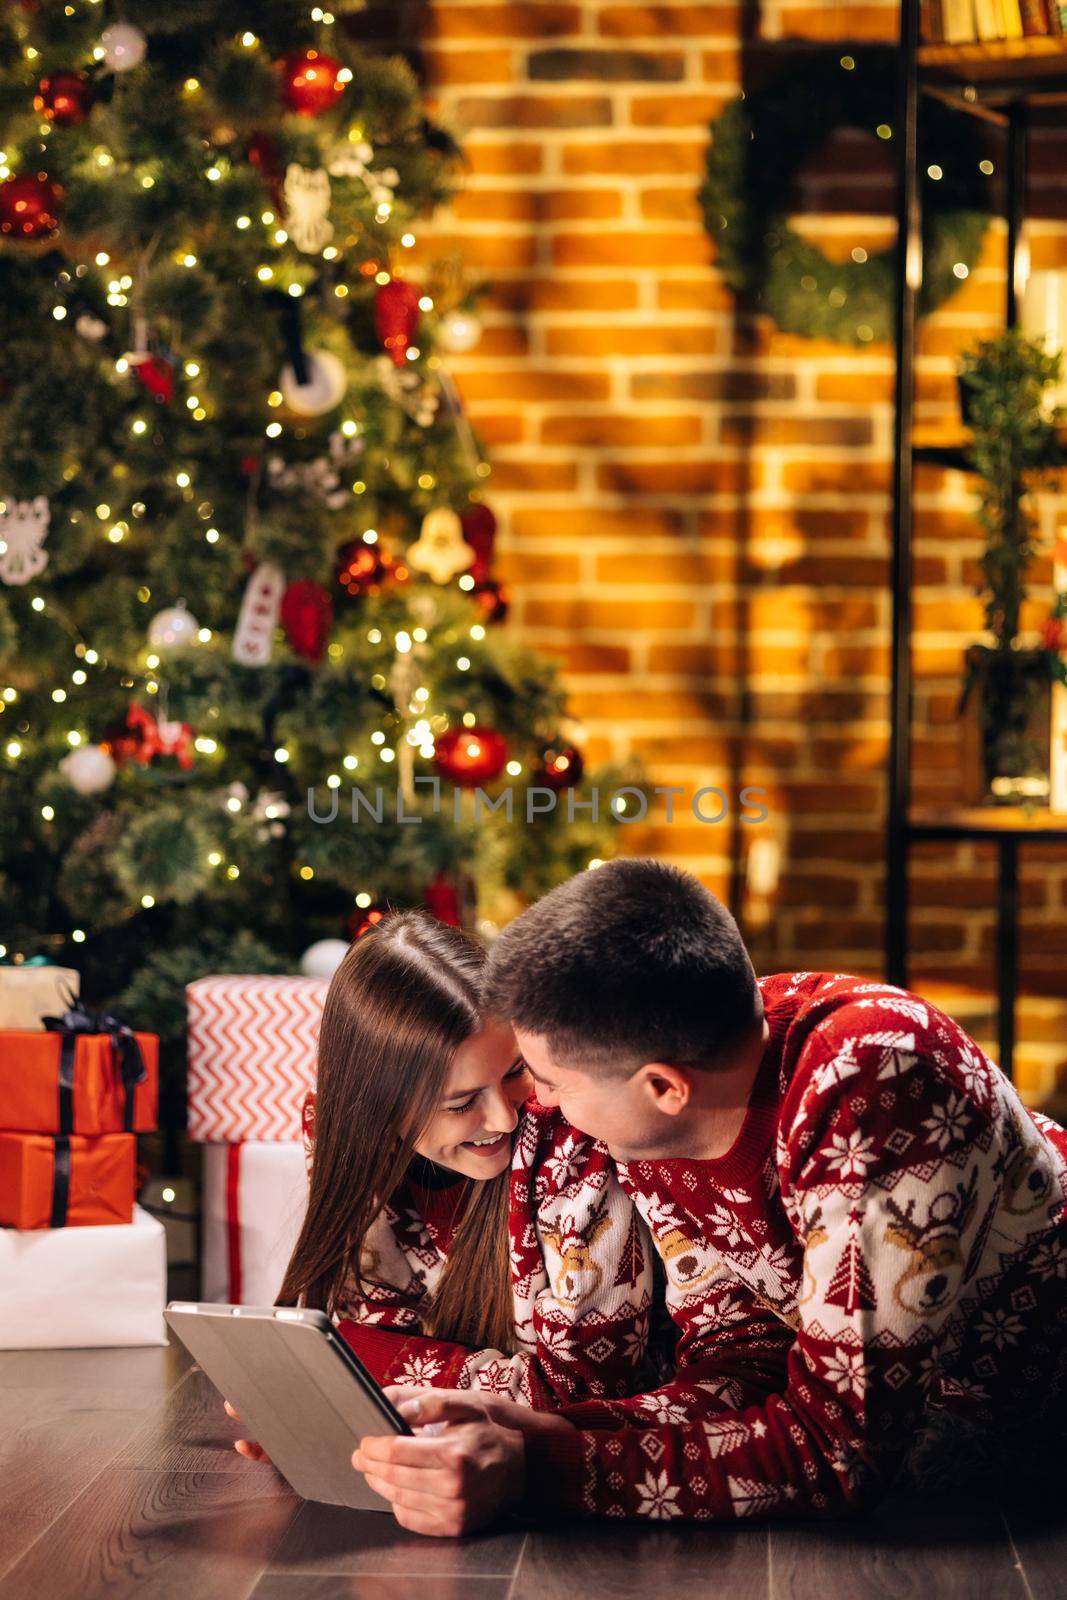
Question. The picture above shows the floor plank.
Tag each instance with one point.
(190, 1432)
(371, 1586)
(157, 1536)
(53, 1441)
(896, 1555)
(1039, 1540)
(630, 1561)
(331, 1539)
(151, 1367)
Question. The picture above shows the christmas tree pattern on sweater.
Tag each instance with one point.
(885, 1241)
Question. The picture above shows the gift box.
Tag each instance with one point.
(66, 1181)
(253, 1198)
(252, 1052)
(30, 992)
(76, 1289)
(78, 1082)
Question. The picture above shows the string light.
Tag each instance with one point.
(281, 754)
(350, 763)
(265, 274)
(148, 901)
(243, 222)
(333, 781)
(78, 935)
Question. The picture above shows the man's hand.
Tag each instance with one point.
(461, 1478)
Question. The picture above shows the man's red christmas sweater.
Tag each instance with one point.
(889, 1230)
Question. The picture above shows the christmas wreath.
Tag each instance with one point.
(760, 142)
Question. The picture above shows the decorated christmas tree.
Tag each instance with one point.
(246, 549)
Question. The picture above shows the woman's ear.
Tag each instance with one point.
(670, 1087)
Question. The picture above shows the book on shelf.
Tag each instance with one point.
(1037, 18)
(988, 19)
(1013, 19)
(958, 21)
(930, 25)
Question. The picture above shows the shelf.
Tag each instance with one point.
(947, 444)
(998, 70)
(987, 822)
(1025, 59)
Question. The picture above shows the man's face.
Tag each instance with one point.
(614, 1109)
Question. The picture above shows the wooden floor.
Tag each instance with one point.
(117, 1478)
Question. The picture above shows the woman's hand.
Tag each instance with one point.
(246, 1447)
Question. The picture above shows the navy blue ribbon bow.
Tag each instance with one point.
(77, 1020)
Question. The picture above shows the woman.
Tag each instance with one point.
(459, 1234)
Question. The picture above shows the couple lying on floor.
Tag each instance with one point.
(858, 1231)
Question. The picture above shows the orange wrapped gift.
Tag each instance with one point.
(73, 1080)
(67, 1181)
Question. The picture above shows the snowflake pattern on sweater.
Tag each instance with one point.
(580, 1272)
(885, 1240)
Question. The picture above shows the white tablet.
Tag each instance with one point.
(299, 1390)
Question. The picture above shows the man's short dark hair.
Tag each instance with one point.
(630, 962)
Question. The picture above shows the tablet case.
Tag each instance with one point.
(299, 1390)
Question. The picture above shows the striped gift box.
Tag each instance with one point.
(252, 1050)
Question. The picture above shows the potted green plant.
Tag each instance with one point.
(1003, 385)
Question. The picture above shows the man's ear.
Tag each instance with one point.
(670, 1087)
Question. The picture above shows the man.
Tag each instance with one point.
(828, 1167)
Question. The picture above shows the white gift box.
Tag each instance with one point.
(76, 1288)
(252, 1055)
(29, 993)
(253, 1200)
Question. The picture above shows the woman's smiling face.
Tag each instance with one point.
(471, 1129)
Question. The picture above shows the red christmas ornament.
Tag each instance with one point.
(479, 530)
(307, 616)
(263, 155)
(152, 738)
(442, 899)
(470, 756)
(493, 598)
(396, 316)
(311, 82)
(65, 98)
(361, 922)
(1054, 634)
(157, 376)
(561, 766)
(29, 206)
(367, 569)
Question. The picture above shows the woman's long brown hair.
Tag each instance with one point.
(399, 1006)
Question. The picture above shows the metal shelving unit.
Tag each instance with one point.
(998, 82)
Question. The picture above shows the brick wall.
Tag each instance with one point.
(694, 507)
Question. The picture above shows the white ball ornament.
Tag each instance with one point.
(89, 769)
(459, 332)
(124, 46)
(322, 959)
(325, 388)
(173, 629)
